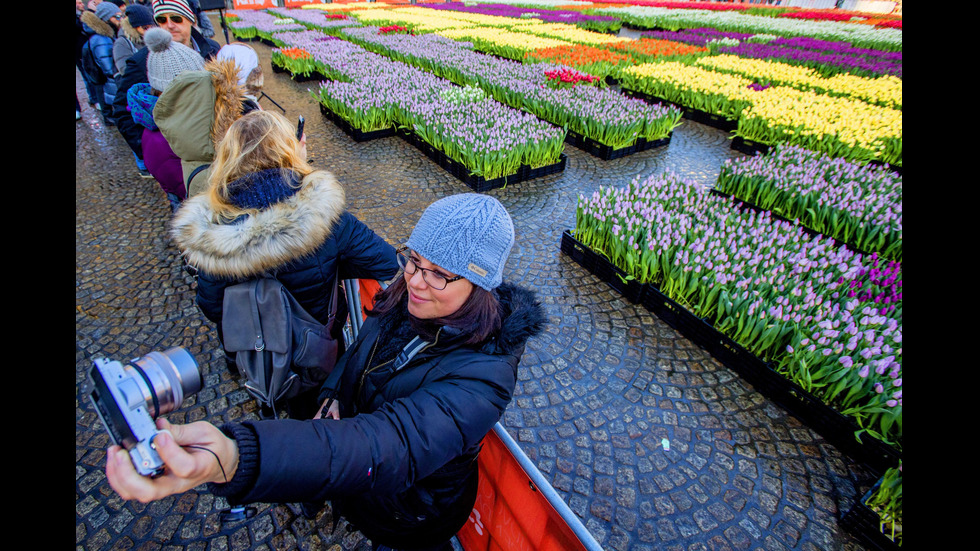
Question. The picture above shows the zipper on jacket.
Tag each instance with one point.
(366, 372)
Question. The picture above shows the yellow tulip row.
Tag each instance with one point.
(853, 122)
(523, 34)
(429, 19)
(885, 90)
(569, 33)
(501, 37)
(691, 78)
(347, 7)
(796, 114)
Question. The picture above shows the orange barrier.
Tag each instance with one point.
(369, 288)
(516, 508)
(253, 4)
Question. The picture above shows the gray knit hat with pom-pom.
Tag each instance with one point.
(167, 59)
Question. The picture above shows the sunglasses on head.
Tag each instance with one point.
(162, 19)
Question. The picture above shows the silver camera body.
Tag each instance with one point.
(128, 399)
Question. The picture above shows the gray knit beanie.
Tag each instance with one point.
(167, 59)
(106, 11)
(468, 234)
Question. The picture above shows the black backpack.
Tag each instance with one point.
(278, 346)
(91, 67)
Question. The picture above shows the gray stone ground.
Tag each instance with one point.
(596, 394)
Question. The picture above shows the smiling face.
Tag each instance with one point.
(424, 300)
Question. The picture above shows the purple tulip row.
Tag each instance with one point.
(507, 10)
(265, 23)
(601, 114)
(697, 37)
(488, 137)
(803, 50)
(810, 58)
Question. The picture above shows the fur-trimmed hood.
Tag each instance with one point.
(126, 29)
(278, 234)
(228, 94)
(99, 26)
(523, 318)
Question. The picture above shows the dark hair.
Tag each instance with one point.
(479, 316)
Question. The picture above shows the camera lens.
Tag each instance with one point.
(171, 376)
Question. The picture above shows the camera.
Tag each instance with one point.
(128, 398)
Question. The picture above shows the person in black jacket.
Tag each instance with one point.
(269, 212)
(177, 17)
(431, 372)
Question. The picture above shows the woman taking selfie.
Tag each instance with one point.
(433, 369)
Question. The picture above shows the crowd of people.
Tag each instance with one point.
(393, 445)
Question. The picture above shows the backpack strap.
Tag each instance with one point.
(195, 172)
(411, 349)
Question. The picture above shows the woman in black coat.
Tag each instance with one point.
(431, 372)
(269, 212)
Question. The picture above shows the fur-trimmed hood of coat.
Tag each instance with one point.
(126, 29)
(228, 94)
(278, 234)
(99, 26)
(523, 318)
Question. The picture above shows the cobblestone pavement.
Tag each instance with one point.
(596, 393)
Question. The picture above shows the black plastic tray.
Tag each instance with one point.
(298, 78)
(599, 266)
(864, 523)
(479, 183)
(691, 114)
(749, 147)
(355, 134)
(606, 152)
(832, 425)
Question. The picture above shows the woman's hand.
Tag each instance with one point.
(187, 466)
(331, 411)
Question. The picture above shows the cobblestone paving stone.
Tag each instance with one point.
(597, 392)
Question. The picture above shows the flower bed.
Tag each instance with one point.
(824, 56)
(505, 43)
(296, 61)
(797, 316)
(599, 114)
(854, 204)
(673, 19)
(840, 127)
(600, 62)
(261, 24)
(597, 23)
(693, 87)
(421, 19)
(827, 64)
(781, 294)
(316, 19)
(882, 91)
(372, 93)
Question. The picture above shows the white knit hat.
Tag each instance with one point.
(245, 59)
(167, 59)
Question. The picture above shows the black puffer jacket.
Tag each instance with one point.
(403, 468)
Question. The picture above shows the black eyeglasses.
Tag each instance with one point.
(432, 278)
(162, 19)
